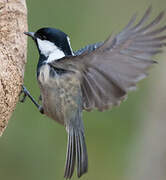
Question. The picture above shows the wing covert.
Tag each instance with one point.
(88, 48)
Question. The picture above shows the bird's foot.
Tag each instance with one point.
(41, 110)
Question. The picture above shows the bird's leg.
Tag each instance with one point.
(27, 93)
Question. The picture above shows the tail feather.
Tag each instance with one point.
(76, 150)
(78, 153)
(81, 153)
(71, 155)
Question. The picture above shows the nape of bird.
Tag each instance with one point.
(98, 76)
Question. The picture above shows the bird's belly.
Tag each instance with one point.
(60, 96)
(53, 104)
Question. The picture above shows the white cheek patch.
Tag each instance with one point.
(58, 54)
(49, 50)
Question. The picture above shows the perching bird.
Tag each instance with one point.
(98, 76)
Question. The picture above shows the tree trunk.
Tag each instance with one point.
(13, 45)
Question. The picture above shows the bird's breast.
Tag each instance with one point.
(60, 94)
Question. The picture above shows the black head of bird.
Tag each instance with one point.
(98, 76)
(51, 40)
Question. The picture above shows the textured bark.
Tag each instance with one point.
(149, 159)
(13, 43)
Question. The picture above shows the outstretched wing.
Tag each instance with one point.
(114, 68)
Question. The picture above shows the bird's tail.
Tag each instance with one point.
(76, 152)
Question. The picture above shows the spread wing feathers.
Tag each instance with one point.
(111, 70)
(114, 68)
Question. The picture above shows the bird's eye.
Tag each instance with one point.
(42, 37)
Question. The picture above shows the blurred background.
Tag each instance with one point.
(33, 146)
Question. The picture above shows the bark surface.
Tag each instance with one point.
(13, 45)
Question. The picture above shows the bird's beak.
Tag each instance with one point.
(31, 34)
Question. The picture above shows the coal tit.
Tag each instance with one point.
(98, 76)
